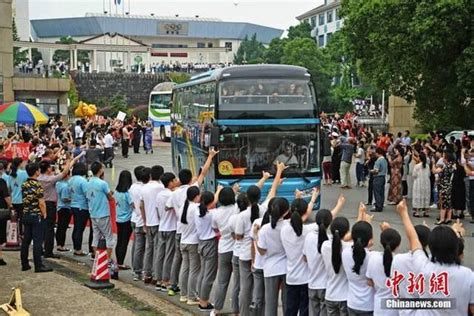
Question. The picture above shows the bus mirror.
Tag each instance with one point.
(214, 137)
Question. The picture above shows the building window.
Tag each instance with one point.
(201, 45)
(209, 45)
(228, 45)
(321, 40)
(329, 16)
(337, 15)
(321, 19)
(313, 21)
(328, 37)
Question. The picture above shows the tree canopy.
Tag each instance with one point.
(250, 51)
(19, 55)
(64, 55)
(420, 50)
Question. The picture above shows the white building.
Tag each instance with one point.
(324, 19)
(21, 14)
(169, 39)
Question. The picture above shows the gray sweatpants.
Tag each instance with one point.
(224, 271)
(236, 281)
(208, 252)
(336, 308)
(165, 255)
(356, 312)
(272, 286)
(246, 287)
(258, 296)
(176, 265)
(138, 249)
(190, 268)
(317, 305)
(151, 252)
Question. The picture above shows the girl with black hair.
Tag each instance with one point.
(124, 207)
(331, 249)
(220, 223)
(444, 243)
(18, 175)
(446, 174)
(292, 238)
(421, 185)
(312, 253)
(243, 229)
(191, 264)
(271, 247)
(360, 299)
(379, 268)
(207, 248)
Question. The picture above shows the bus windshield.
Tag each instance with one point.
(265, 98)
(250, 153)
(160, 101)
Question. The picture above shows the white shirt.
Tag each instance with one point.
(275, 257)
(317, 271)
(231, 225)
(376, 272)
(148, 196)
(189, 234)
(361, 153)
(361, 295)
(176, 201)
(259, 259)
(167, 215)
(296, 267)
(135, 194)
(108, 141)
(220, 221)
(403, 264)
(460, 283)
(204, 225)
(243, 227)
(336, 286)
(78, 131)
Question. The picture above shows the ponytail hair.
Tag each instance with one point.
(323, 219)
(266, 216)
(298, 209)
(206, 199)
(390, 240)
(14, 168)
(253, 194)
(361, 234)
(279, 208)
(191, 194)
(423, 233)
(242, 202)
(339, 228)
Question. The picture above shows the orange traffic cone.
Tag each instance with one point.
(100, 277)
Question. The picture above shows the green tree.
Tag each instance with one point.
(64, 55)
(419, 50)
(36, 55)
(250, 51)
(19, 55)
(274, 52)
(302, 30)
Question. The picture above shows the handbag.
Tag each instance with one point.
(4, 214)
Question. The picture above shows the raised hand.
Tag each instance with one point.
(213, 152)
(384, 226)
(236, 188)
(266, 175)
(459, 228)
(402, 207)
(342, 199)
(298, 194)
(315, 194)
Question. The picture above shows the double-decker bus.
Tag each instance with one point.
(159, 109)
(255, 115)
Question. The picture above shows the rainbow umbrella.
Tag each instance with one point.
(22, 113)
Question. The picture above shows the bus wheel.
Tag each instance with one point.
(162, 133)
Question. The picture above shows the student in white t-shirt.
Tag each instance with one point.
(151, 221)
(191, 264)
(139, 239)
(331, 249)
(270, 246)
(166, 232)
(220, 222)
(243, 236)
(207, 247)
(379, 268)
(176, 202)
(453, 280)
(292, 238)
(361, 295)
(312, 252)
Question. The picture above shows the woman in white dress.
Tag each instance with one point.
(421, 185)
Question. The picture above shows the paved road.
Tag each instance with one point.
(162, 156)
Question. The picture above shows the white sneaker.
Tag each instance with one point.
(434, 206)
(183, 299)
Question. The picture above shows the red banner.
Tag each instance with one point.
(21, 150)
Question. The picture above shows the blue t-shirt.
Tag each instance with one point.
(62, 189)
(124, 210)
(97, 191)
(381, 166)
(6, 177)
(15, 186)
(78, 190)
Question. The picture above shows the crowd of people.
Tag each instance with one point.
(190, 242)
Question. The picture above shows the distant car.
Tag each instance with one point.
(458, 134)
